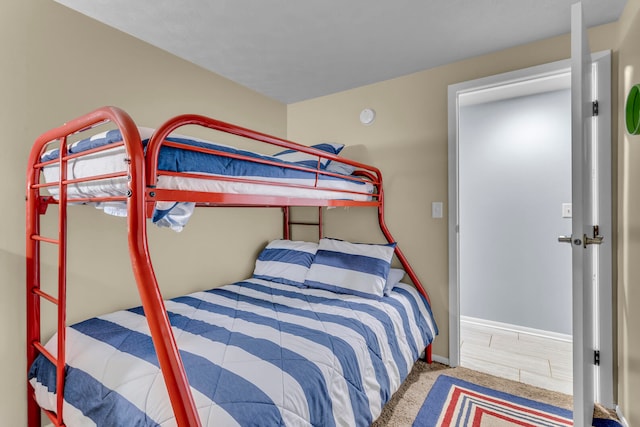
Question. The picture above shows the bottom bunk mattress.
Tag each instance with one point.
(255, 352)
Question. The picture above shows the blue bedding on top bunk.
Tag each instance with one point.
(255, 352)
(184, 160)
(261, 178)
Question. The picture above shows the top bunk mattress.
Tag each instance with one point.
(245, 172)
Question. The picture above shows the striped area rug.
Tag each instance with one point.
(454, 402)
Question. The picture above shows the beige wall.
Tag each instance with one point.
(628, 223)
(53, 68)
(408, 142)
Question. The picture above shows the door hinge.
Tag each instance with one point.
(595, 108)
(596, 357)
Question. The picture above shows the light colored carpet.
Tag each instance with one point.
(405, 404)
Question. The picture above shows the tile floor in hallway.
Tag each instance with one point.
(530, 359)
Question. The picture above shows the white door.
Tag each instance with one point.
(585, 234)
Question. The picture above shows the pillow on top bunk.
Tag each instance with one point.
(341, 168)
(285, 261)
(95, 141)
(309, 160)
(394, 277)
(351, 268)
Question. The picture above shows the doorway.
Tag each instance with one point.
(514, 154)
(549, 79)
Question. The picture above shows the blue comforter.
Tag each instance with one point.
(255, 352)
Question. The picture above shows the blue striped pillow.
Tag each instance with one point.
(309, 160)
(352, 268)
(285, 261)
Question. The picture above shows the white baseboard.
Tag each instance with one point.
(440, 359)
(621, 417)
(516, 328)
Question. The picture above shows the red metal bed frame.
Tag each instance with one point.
(141, 196)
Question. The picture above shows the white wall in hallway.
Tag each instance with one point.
(514, 166)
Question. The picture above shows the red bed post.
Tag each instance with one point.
(403, 260)
(152, 302)
(33, 284)
(286, 225)
(164, 342)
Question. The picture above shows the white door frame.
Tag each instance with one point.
(604, 329)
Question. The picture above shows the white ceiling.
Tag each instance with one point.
(293, 50)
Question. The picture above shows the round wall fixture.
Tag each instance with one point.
(632, 115)
(367, 116)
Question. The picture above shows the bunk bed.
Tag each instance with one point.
(293, 345)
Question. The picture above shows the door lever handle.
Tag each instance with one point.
(569, 239)
(586, 240)
(596, 239)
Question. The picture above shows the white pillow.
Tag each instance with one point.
(395, 276)
(309, 160)
(352, 268)
(341, 168)
(285, 261)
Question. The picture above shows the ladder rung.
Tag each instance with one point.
(45, 352)
(51, 415)
(45, 296)
(303, 223)
(45, 239)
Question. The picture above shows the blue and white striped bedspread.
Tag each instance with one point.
(256, 178)
(174, 159)
(255, 352)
